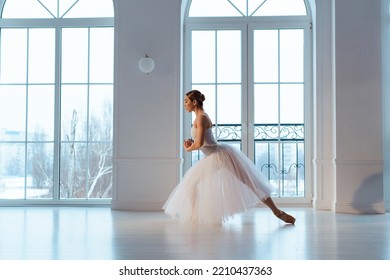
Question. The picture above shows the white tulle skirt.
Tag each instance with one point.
(218, 186)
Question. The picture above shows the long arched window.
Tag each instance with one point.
(56, 100)
(251, 60)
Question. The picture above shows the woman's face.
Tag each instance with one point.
(188, 104)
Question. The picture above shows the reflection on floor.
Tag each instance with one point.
(81, 233)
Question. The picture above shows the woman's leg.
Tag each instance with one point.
(277, 212)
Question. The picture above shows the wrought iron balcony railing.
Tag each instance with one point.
(278, 153)
(262, 132)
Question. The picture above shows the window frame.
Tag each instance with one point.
(58, 24)
(265, 22)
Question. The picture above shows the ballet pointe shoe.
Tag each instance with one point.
(286, 217)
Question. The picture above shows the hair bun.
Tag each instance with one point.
(202, 97)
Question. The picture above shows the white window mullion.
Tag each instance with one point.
(308, 98)
(58, 8)
(187, 157)
(57, 115)
(26, 122)
(280, 146)
(247, 92)
(88, 114)
(216, 80)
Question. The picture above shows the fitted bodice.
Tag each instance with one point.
(209, 144)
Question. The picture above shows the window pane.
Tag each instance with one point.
(101, 55)
(291, 55)
(215, 8)
(229, 104)
(100, 170)
(229, 114)
(41, 56)
(282, 8)
(64, 6)
(233, 8)
(39, 170)
(291, 104)
(74, 55)
(12, 113)
(54, 8)
(24, 9)
(241, 6)
(293, 170)
(40, 113)
(266, 56)
(267, 162)
(266, 104)
(203, 56)
(254, 6)
(73, 170)
(13, 55)
(229, 56)
(12, 179)
(74, 102)
(87, 8)
(51, 6)
(101, 113)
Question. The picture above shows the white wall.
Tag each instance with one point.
(358, 89)
(147, 106)
(349, 147)
(348, 154)
(386, 98)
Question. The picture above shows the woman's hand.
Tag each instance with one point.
(188, 143)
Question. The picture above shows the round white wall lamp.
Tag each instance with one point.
(146, 64)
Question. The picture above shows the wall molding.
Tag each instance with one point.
(359, 162)
(349, 161)
(361, 208)
(323, 161)
(322, 204)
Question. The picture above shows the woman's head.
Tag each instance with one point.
(196, 97)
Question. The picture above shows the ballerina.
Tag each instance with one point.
(223, 183)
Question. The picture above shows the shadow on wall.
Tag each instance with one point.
(368, 198)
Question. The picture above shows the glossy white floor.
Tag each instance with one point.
(68, 233)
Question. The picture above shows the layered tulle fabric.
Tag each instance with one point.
(220, 185)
